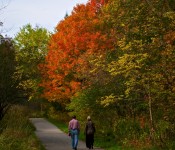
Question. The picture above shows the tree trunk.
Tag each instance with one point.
(150, 114)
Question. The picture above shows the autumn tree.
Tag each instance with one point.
(77, 40)
(143, 58)
(115, 60)
(137, 77)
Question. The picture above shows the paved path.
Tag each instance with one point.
(53, 138)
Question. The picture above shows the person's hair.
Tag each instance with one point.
(74, 116)
(89, 118)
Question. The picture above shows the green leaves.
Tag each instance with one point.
(31, 49)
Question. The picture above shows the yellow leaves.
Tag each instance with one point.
(108, 100)
(129, 46)
(127, 64)
(130, 86)
(122, 24)
(170, 15)
(122, 44)
(98, 61)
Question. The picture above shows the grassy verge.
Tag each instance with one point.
(99, 141)
(18, 132)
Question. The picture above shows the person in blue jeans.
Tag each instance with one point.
(74, 129)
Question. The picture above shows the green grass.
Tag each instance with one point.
(61, 125)
(107, 143)
(104, 142)
(99, 141)
(18, 132)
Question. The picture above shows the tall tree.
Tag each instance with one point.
(8, 79)
(145, 59)
(31, 49)
(77, 40)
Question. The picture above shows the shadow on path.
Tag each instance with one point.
(53, 138)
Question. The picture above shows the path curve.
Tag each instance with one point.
(53, 138)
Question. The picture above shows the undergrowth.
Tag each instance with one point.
(17, 132)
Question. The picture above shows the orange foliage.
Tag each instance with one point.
(170, 37)
(77, 37)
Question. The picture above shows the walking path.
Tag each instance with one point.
(53, 138)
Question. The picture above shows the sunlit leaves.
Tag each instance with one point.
(127, 64)
(108, 100)
(31, 49)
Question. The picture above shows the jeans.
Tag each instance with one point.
(74, 136)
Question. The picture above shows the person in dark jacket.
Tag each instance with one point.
(89, 133)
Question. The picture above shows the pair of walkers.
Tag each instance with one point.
(74, 130)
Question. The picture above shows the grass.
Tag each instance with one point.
(61, 125)
(18, 132)
(107, 143)
(99, 141)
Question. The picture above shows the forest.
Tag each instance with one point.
(111, 59)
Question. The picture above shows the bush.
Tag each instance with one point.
(18, 132)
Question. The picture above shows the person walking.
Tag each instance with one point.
(89, 132)
(74, 129)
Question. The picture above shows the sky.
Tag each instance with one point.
(43, 13)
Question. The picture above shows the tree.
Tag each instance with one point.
(8, 80)
(31, 49)
(145, 61)
(77, 40)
